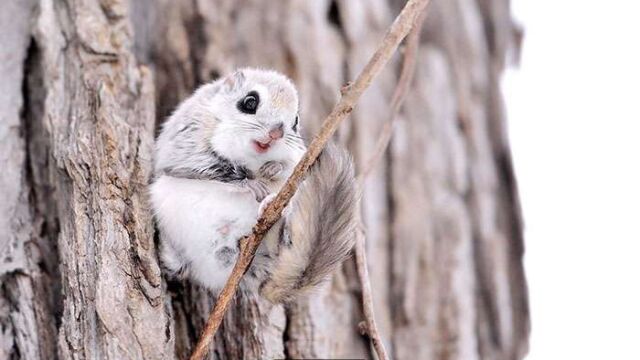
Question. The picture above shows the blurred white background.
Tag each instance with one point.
(574, 118)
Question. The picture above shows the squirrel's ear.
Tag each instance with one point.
(234, 80)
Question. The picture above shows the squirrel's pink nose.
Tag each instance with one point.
(276, 132)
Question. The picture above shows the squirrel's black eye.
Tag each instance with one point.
(249, 103)
(295, 124)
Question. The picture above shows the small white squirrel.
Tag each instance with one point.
(220, 158)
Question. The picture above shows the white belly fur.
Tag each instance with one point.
(199, 218)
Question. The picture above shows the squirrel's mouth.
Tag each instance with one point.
(261, 147)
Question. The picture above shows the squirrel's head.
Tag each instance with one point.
(255, 115)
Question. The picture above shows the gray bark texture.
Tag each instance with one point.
(85, 83)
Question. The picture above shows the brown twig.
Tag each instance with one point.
(248, 245)
(369, 327)
(406, 75)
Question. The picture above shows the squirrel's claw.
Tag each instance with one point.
(259, 189)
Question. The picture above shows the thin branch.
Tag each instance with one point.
(369, 326)
(248, 245)
(406, 75)
(404, 82)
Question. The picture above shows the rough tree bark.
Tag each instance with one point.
(78, 267)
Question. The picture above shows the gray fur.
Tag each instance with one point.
(270, 169)
(320, 228)
(226, 255)
(211, 166)
(181, 145)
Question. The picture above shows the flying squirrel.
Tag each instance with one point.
(219, 160)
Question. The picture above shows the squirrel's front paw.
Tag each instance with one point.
(259, 189)
(271, 169)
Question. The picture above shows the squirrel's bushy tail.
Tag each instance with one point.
(319, 229)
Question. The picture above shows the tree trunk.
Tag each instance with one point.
(80, 277)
